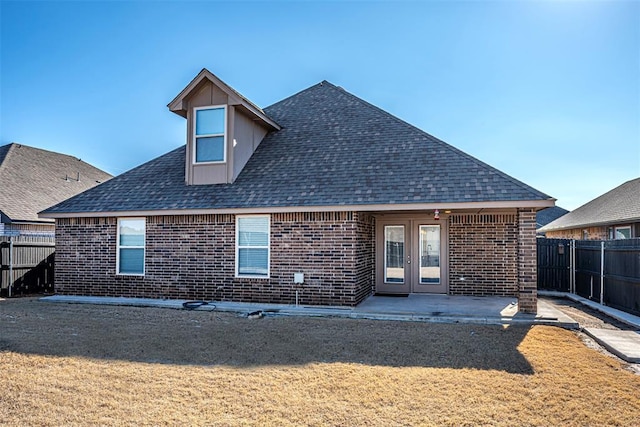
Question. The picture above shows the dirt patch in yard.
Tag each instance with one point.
(214, 338)
(99, 365)
(587, 317)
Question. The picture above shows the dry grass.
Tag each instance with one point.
(90, 365)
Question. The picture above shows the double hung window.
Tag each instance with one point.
(252, 246)
(209, 134)
(131, 246)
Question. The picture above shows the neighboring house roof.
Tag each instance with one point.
(32, 179)
(620, 205)
(3, 152)
(545, 216)
(334, 149)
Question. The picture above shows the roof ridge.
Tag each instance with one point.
(313, 86)
(438, 140)
(57, 153)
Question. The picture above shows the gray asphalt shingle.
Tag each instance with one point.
(333, 149)
(620, 205)
(32, 179)
(545, 216)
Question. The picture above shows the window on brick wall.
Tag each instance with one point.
(623, 232)
(252, 246)
(131, 246)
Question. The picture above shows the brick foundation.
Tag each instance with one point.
(193, 257)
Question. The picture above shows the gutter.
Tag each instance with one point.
(509, 204)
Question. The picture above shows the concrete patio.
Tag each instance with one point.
(415, 308)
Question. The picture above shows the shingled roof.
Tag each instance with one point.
(32, 179)
(545, 216)
(618, 206)
(334, 149)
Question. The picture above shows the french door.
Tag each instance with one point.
(411, 256)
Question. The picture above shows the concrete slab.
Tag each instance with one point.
(414, 308)
(620, 315)
(558, 318)
(624, 344)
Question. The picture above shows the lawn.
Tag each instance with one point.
(97, 365)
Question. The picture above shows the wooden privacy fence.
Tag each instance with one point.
(26, 265)
(553, 264)
(605, 271)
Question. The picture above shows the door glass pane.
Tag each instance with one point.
(430, 254)
(394, 254)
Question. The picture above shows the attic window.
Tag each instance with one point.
(209, 134)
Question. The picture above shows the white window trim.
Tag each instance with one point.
(144, 248)
(224, 135)
(250, 276)
(624, 227)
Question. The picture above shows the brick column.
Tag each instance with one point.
(527, 262)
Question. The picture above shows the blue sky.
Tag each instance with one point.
(546, 91)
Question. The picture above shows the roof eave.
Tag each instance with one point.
(43, 221)
(177, 105)
(589, 224)
(507, 204)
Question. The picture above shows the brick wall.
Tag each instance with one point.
(494, 254)
(483, 254)
(601, 232)
(594, 233)
(527, 261)
(365, 255)
(193, 257)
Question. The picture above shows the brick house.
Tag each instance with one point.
(322, 184)
(32, 179)
(613, 215)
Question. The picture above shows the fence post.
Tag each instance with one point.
(602, 272)
(572, 266)
(10, 284)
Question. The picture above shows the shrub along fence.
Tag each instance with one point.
(605, 271)
(26, 265)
